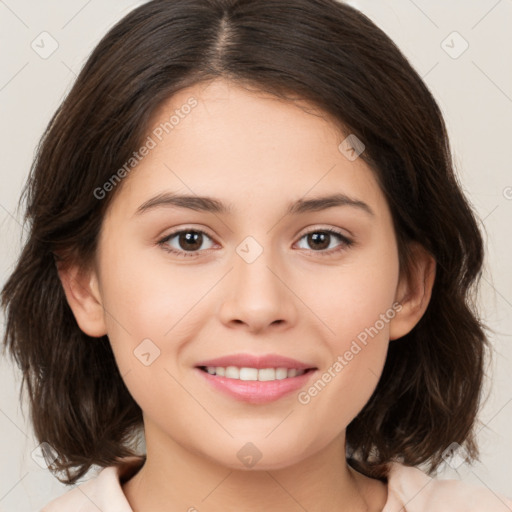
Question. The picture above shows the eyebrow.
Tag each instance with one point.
(210, 204)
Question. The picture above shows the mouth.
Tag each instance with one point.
(255, 374)
(255, 385)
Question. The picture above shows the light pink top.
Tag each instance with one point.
(409, 490)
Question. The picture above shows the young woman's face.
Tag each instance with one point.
(252, 270)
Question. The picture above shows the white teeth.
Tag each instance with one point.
(248, 374)
(232, 372)
(281, 373)
(267, 374)
(263, 374)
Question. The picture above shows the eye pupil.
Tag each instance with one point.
(190, 238)
(319, 236)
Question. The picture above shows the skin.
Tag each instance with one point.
(256, 153)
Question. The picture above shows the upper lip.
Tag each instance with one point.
(257, 361)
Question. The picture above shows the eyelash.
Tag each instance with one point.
(346, 242)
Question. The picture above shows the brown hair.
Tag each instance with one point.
(319, 50)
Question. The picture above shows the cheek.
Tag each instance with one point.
(357, 305)
(350, 375)
(139, 302)
(352, 297)
(153, 310)
(145, 294)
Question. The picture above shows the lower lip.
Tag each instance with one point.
(255, 391)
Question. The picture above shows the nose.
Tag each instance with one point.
(258, 296)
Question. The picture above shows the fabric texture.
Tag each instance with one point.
(409, 490)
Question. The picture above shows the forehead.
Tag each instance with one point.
(219, 139)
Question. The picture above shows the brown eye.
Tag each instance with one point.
(190, 240)
(185, 241)
(320, 240)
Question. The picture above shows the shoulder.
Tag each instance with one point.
(411, 490)
(102, 492)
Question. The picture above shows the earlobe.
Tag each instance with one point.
(84, 298)
(413, 292)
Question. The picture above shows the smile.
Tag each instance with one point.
(248, 374)
(255, 385)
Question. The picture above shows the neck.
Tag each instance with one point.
(174, 478)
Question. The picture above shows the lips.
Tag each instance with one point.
(257, 361)
(263, 390)
(256, 392)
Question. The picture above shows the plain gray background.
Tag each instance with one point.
(463, 51)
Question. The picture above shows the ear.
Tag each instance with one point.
(84, 298)
(413, 291)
